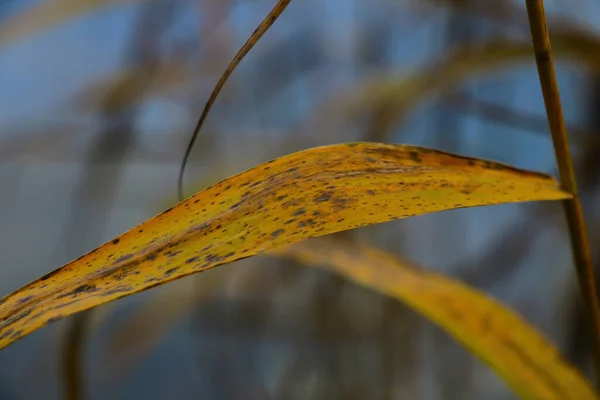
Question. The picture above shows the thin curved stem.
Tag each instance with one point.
(256, 35)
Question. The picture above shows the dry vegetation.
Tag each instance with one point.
(472, 302)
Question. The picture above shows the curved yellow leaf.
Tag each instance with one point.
(47, 14)
(310, 193)
(495, 334)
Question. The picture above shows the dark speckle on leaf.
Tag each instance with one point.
(84, 288)
(308, 222)
(25, 299)
(7, 333)
(115, 241)
(80, 289)
(16, 335)
(323, 197)
(276, 233)
(49, 274)
(124, 258)
(415, 156)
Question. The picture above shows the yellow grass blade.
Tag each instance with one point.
(310, 193)
(495, 334)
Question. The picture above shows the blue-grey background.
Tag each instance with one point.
(78, 166)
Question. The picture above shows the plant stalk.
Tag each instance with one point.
(575, 220)
(72, 362)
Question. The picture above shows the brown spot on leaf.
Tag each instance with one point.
(124, 258)
(415, 156)
(7, 333)
(276, 233)
(323, 197)
(50, 274)
(25, 299)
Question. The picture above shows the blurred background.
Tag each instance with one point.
(98, 99)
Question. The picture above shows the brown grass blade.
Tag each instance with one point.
(252, 40)
(573, 211)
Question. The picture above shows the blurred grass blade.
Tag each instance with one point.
(309, 193)
(404, 90)
(255, 37)
(126, 349)
(391, 97)
(503, 340)
(105, 91)
(48, 13)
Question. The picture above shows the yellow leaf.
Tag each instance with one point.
(500, 338)
(47, 14)
(310, 193)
